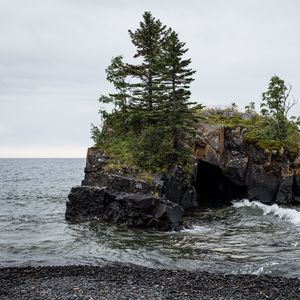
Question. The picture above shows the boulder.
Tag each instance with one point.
(85, 203)
(136, 210)
(128, 184)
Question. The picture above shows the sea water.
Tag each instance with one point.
(246, 237)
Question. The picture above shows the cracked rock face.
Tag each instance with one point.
(227, 168)
(122, 199)
(266, 176)
(136, 210)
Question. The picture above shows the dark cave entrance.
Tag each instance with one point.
(214, 188)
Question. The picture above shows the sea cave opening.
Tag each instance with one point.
(214, 188)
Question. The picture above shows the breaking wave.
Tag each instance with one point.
(287, 214)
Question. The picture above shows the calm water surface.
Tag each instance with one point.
(244, 238)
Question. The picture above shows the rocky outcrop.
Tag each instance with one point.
(123, 198)
(97, 175)
(137, 209)
(226, 168)
(239, 170)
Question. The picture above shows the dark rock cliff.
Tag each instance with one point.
(231, 168)
(123, 199)
(226, 168)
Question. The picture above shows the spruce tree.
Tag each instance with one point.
(151, 118)
(176, 79)
(145, 86)
(116, 74)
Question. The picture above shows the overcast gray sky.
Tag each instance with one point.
(53, 54)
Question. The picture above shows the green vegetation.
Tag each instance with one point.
(151, 125)
(271, 128)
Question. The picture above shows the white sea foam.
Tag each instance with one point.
(197, 229)
(287, 214)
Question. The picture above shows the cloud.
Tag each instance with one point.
(53, 55)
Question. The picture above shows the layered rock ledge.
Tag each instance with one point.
(137, 209)
(123, 199)
(231, 168)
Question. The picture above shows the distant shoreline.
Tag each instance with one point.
(134, 282)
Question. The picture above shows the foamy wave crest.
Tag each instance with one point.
(288, 214)
(196, 229)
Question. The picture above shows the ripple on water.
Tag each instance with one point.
(248, 237)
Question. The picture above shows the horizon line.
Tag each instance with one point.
(38, 157)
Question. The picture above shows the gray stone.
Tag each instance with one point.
(285, 191)
(133, 209)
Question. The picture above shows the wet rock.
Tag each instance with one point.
(260, 174)
(178, 189)
(189, 199)
(296, 188)
(228, 168)
(133, 209)
(235, 168)
(285, 191)
(85, 203)
(262, 186)
(235, 160)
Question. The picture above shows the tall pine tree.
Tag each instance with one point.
(116, 73)
(151, 112)
(145, 86)
(176, 79)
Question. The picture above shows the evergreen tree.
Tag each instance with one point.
(151, 120)
(116, 74)
(145, 88)
(174, 111)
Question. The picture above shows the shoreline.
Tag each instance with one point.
(120, 281)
